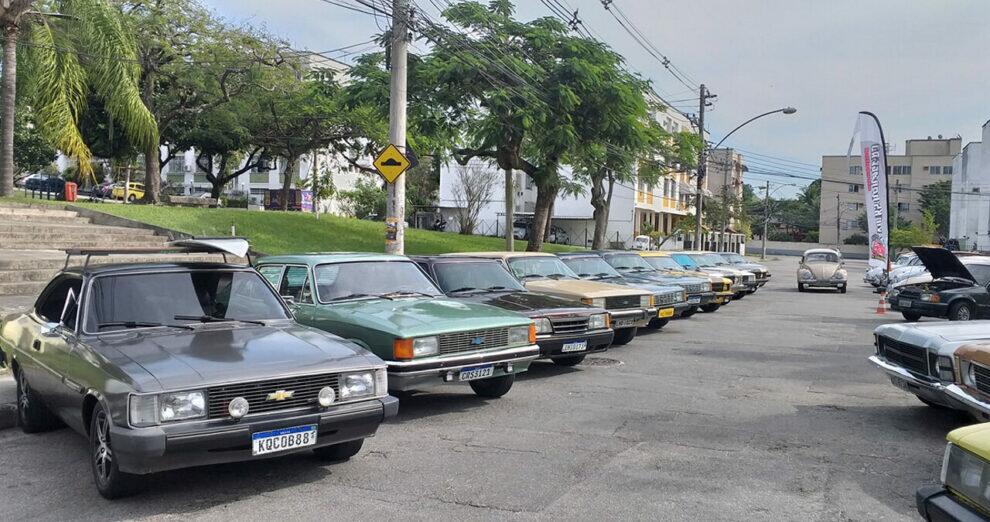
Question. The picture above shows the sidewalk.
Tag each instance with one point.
(8, 400)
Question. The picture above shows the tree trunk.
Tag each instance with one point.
(600, 214)
(290, 166)
(152, 165)
(8, 97)
(217, 190)
(545, 196)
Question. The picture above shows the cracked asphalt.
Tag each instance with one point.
(765, 410)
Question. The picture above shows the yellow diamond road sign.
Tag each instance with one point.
(391, 163)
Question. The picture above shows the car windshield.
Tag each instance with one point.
(734, 258)
(339, 281)
(697, 259)
(475, 276)
(980, 272)
(130, 300)
(629, 262)
(821, 257)
(717, 259)
(591, 267)
(540, 267)
(663, 263)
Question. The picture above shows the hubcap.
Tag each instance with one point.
(963, 314)
(102, 456)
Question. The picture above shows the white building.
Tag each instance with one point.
(969, 220)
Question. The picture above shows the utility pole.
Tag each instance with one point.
(897, 204)
(314, 186)
(838, 214)
(766, 220)
(703, 96)
(510, 211)
(396, 210)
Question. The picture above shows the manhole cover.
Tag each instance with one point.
(600, 361)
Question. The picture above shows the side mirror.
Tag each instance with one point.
(289, 300)
(51, 330)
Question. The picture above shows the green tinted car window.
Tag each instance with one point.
(295, 284)
(273, 273)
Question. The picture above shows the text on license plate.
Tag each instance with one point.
(905, 303)
(694, 299)
(665, 312)
(576, 346)
(476, 372)
(283, 439)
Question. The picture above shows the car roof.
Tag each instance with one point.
(653, 253)
(822, 251)
(120, 268)
(452, 259)
(500, 255)
(320, 258)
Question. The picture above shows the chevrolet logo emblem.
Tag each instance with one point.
(478, 341)
(280, 395)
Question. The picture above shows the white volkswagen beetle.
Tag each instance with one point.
(823, 268)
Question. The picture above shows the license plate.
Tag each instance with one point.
(283, 439)
(665, 312)
(694, 299)
(576, 346)
(476, 372)
(905, 303)
(622, 323)
(901, 383)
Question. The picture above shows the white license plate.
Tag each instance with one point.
(901, 383)
(694, 299)
(283, 439)
(622, 323)
(577, 346)
(905, 303)
(476, 372)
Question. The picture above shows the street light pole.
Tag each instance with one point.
(397, 123)
(766, 220)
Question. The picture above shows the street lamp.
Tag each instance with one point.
(703, 167)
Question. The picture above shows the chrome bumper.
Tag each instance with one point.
(907, 381)
(977, 407)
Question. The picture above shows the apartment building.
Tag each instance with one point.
(924, 161)
(969, 219)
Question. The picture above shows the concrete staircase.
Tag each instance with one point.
(33, 238)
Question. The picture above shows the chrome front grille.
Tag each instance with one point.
(668, 298)
(912, 358)
(696, 288)
(568, 325)
(982, 377)
(303, 392)
(622, 301)
(720, 287)
(473, 340)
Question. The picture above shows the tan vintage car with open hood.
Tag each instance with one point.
(822, 268)
(630, 308)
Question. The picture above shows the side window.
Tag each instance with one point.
(53, 299)
(295, 284)
(273, 273)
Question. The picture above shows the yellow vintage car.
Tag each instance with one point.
(964, 492)
(722, 286)
(134, 192)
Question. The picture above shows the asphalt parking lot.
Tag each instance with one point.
(765, 410)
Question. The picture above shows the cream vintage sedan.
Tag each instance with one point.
(822, 268)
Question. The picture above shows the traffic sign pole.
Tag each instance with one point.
(395, 221)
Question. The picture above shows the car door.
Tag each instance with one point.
(297, 284)
(51, 341)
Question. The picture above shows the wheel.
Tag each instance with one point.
(911, 317)
(842, 289)
(960, 312)
(568, 361)
(339, 452)
(110, 481)
(711, 307)
(657, 323)
(131, 198)
(800, 287)
(32, 414)
(933, 404)
(624, 336)
(740, 295)
(493, 388)
(689, 312)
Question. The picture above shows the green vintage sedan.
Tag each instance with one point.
(388, 305)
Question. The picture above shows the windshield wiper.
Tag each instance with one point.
(400, 293)
(463, 289)
(214, 319)
(141, 324)
(558, 276)
(354, 296)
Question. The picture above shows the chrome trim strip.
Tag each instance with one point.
(968, 400)
(901, 373)
(467, 359)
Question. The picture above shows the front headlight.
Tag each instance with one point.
(543, 326)
(598, 302)
(839, 274)
(945, 372)
(645, 301)
(143, 410)
(598, 322)
(931, 298)
(425, 346)
(181, 405)
(357, 385)
(804, 273)
(518, 335)
(967, 475)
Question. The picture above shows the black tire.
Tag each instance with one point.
(569, 361)
(931, 404)
(339, 452)
(911, 317)
(32, 414)
(689, 312)
(110, 481)
(842, 289)
(131, 198)
(740, 295)
(711, 307)
(657, 323)
(493, 388)
(960, 312)
(624, 336)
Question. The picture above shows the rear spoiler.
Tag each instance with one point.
(236, 246)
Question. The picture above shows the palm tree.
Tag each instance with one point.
(82, 46)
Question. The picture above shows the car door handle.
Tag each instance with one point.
(36, 345)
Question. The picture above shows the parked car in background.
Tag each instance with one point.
(566, 330)
(744, 282)
(822, 268)
(958, 290)
(963, 492)
(918, 357)
(737, 261)
(133, 192)
(45, 183)
(172, 365)
(630, 308)
(522, 229)
(721, 284)
(669, 300)
(391, 307)
(642, 243)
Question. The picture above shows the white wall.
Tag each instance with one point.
(970, 211)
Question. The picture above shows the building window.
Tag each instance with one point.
(855, 170)
(902, 170)
(200, 178)
(259, 177)
(934, 169)
(177, 165)
(976, 190)
(176, 179)
(854, 206)
(903, 207)
(853, 187)
(947, 170)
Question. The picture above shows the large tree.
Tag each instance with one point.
(935, 200)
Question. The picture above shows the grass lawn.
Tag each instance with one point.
(285, 232)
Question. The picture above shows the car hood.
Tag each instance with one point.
(650, 285)
(943, 337)
(942, 263)
(821, 270)
(751, 267)
(578, 288)
(530, 304)
(214, 354)
(663, 278)
(415, 317)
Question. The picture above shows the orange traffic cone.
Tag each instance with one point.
(882, 305)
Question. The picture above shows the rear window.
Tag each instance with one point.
(981, 273)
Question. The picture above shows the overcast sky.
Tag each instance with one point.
(920, 65)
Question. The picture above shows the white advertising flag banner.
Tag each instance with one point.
(874, 162)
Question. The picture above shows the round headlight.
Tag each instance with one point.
(971, 375)
(326, 396)
(238, 407)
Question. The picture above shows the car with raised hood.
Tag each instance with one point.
(721, 285)
(963, 492)
(629, 308)
(958, 290)
(634, 268)
(919, 357)
(171, 365)
(743, 282)
(387, 304)
(822, 268)
(735, 260)
(566, 330)
(670, 301)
